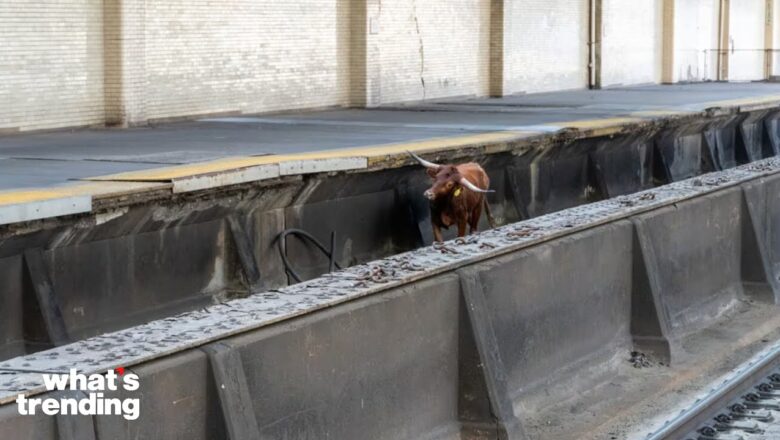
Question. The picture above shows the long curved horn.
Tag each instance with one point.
(424, 162)
(465, 182)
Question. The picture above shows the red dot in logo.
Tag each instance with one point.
(120, 371)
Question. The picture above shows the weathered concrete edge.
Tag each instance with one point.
(39, 209)
(215, 180)
(164, 337)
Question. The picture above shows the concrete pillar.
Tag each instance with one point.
(358, 40)
(723, 47)
(124, 59)
(769, 38)
(365, 71)
(667, 45)
(497, 54)
(596, 30)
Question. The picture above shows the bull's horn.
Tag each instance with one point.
(423, 162)
(465, 182)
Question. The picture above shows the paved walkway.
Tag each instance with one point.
(143, 156)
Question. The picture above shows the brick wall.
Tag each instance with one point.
(81, 62)
(51, 72)
(631, 48)
(695, 40)
(775, 63)
(546, 45)
(746, 55)
(423, 49)
(205, 56)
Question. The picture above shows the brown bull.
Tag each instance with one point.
(457, 196)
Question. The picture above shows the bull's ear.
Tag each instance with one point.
(431, 172)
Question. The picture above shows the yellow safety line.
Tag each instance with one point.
(29, 195)
(235, 163)
(134, 181)
(594, 124)
(744, 101)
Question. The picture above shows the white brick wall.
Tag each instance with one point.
(429, 49)
(746, 40)
(631, 48)
(81, 62)
(776, 38)
(51, 72)
(545, 45)
(205, 56)
(695, 40)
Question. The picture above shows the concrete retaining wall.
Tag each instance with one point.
(555, 306)
(693, 251)
(156, 259)
(462, 353)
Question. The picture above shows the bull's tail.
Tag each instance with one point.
(490, 219)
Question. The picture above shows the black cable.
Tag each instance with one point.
(301, 234)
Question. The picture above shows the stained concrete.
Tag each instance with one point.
(74, 154)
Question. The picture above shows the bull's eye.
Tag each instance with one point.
(449, 184)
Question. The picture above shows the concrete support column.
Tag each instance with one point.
(667, 45)
(358, 40)
(769, 22)
(365, 67)
(497, 55)
(124, 60)
(595, 38)
(723, 38)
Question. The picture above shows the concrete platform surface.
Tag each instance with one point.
(333, 139)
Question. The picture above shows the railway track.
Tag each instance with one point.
(745, 406)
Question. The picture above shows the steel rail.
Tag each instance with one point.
(707, 408)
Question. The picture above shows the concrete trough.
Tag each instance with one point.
(550, 323)
(451, 341)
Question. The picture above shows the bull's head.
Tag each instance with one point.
(446, 179)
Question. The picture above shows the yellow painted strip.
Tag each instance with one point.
(744, 101)
(94, 189)
(442, 143)
(169, 173)
(98, 189)
(597, 127)
(234, 163)
(661, 113)
(27, 196)
(595, 124)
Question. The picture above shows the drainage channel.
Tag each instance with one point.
(456, 340)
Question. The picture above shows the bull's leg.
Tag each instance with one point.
(474, 218)
(462, 227)
(436, 233)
